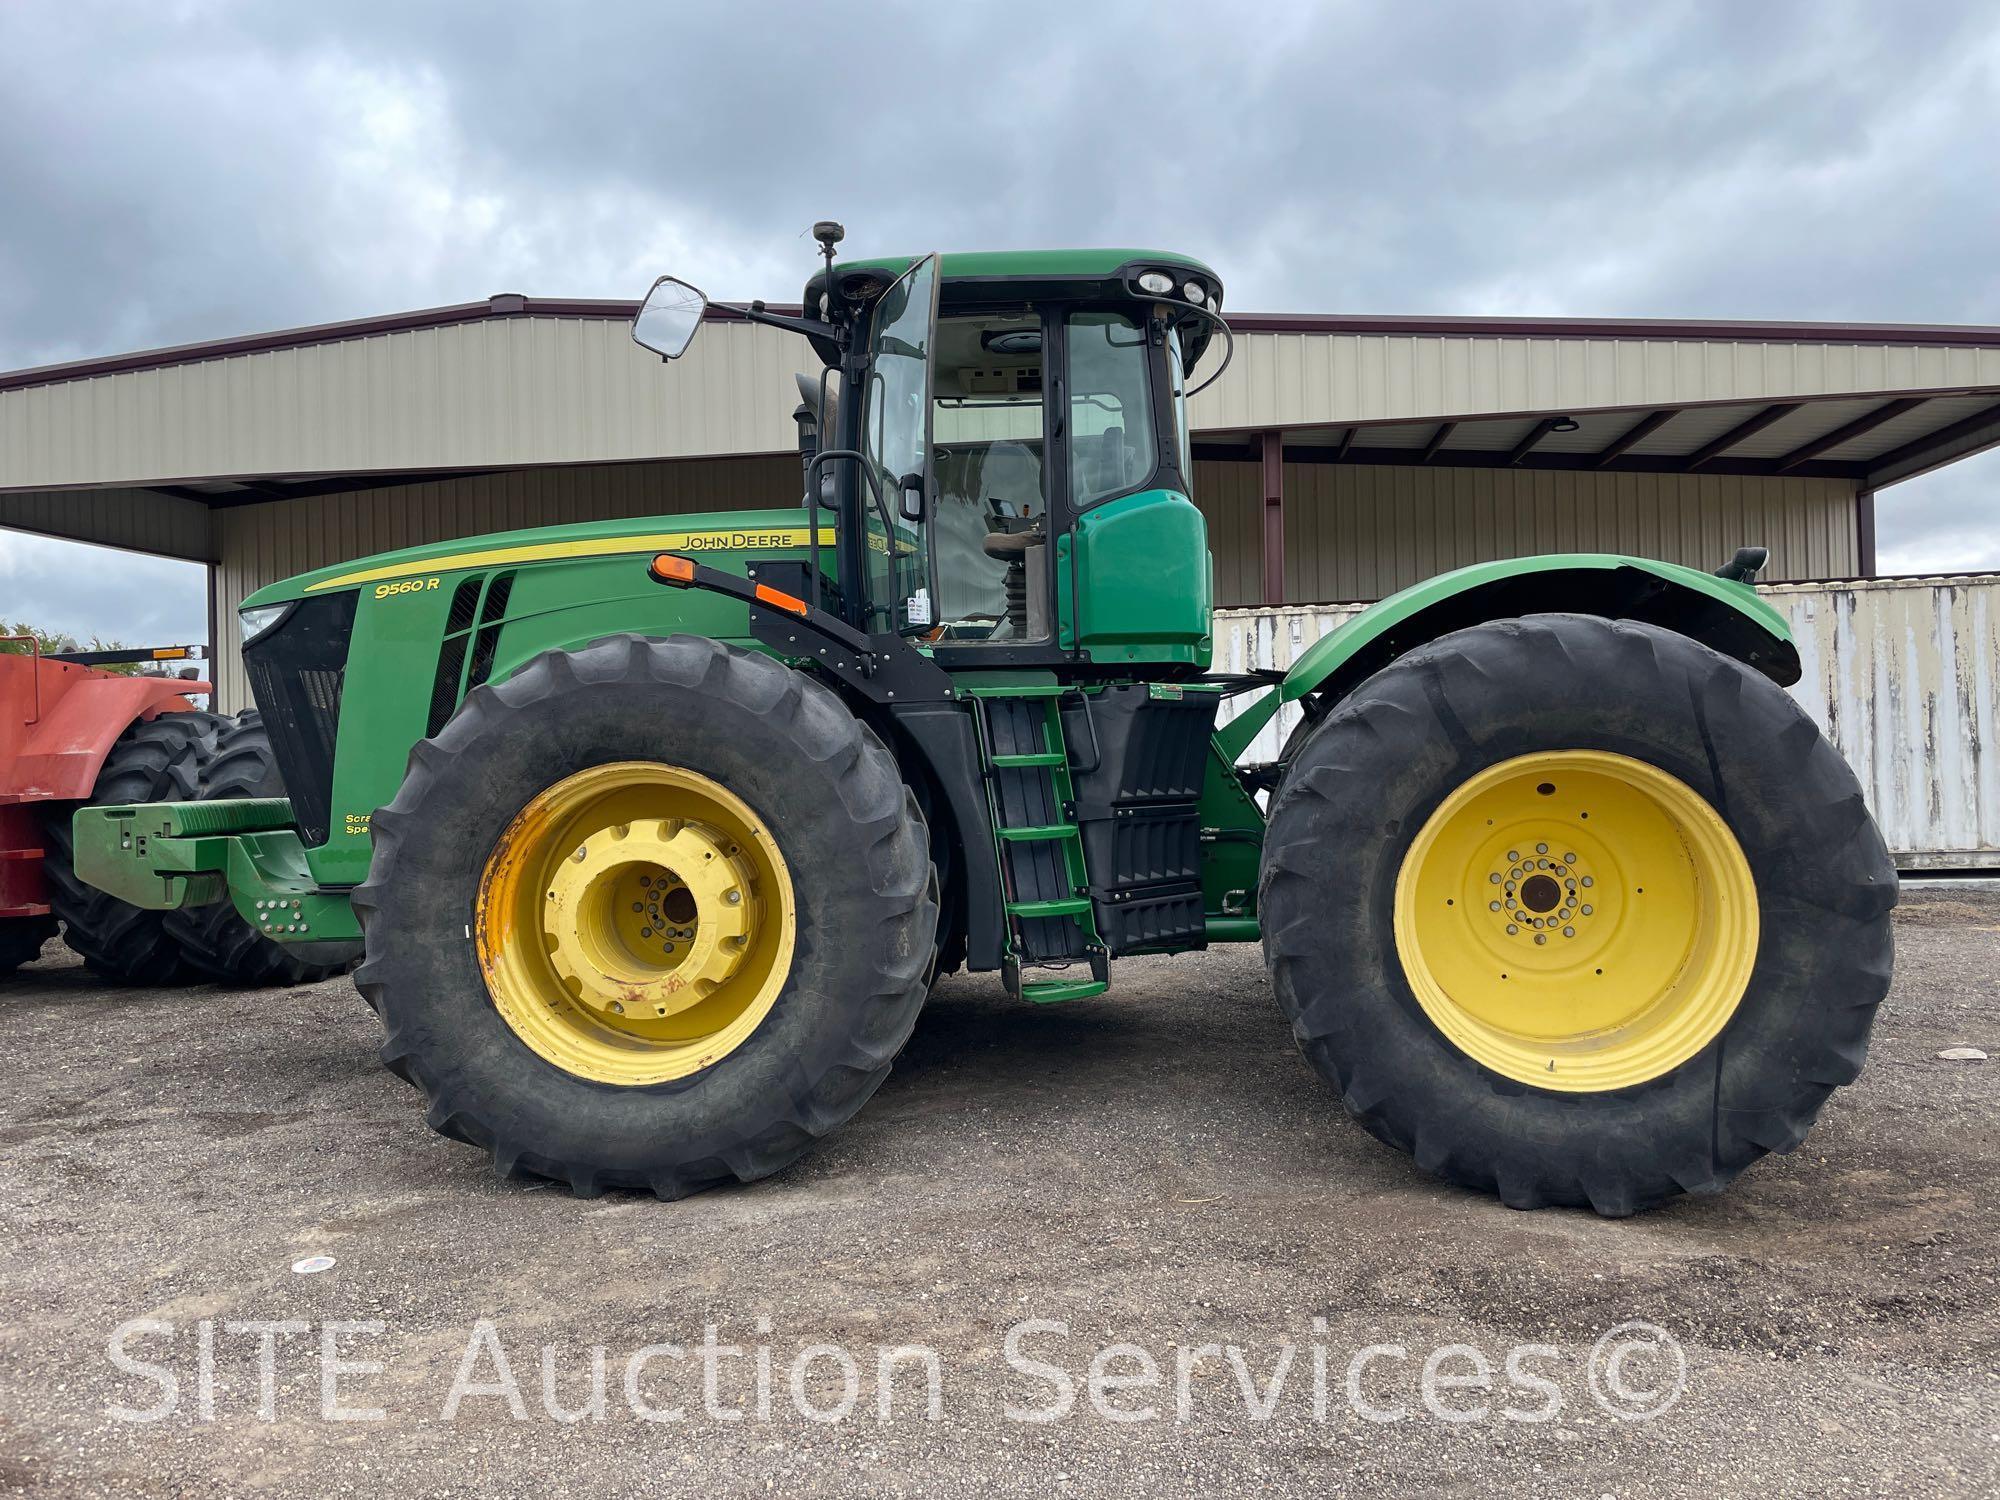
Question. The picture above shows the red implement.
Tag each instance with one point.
(58, 720)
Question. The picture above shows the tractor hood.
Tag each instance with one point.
(715, 531)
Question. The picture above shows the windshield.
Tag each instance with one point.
(896, 438)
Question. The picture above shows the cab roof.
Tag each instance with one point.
(1025, 272)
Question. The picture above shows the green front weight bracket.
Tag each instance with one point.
(165, 855)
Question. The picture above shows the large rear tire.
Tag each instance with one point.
(1577, 912)
(157, 760)
(214, 939)
(656, 914)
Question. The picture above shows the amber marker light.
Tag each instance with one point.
(670, 569)
(791, 604)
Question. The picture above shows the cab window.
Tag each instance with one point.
(1110, 413)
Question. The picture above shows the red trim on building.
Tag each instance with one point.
(516, 305)
(502, 305)
(1738, 330)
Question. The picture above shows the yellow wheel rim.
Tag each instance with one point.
(635, 923)
(1577, 920)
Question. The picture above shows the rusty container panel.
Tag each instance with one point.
(1899, 673)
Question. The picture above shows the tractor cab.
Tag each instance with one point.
(1000, 441)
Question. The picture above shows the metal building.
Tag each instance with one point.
(1339, 459)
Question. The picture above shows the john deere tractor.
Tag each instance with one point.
(659, 831)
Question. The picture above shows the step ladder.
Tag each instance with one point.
(1050, 926)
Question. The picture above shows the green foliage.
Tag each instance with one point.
(52, 641)
(49, 640)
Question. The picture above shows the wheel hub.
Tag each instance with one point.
(636, 923)
(1543, 888)
(1576, 919)
(649, 917)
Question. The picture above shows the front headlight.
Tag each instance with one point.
(1156, 283)
(262, 620)
(1193, 292)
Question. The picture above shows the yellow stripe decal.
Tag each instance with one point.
(659, 541)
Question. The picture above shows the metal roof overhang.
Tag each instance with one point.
(1867, 438)
(1870, 440)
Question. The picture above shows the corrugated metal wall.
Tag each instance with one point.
(1351, 533)
(260, 544)
(1363, 532)
(1303, 379)
(1900, 673)
(116, 518)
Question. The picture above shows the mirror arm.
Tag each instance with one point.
(812, 328)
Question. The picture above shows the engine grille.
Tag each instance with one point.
(297, 673)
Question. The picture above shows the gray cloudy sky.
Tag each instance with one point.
(193, 168)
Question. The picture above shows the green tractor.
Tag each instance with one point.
(658, 832)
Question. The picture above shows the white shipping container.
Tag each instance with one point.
(1899, 673)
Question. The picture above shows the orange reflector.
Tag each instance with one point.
(670, 569)
(779, 599)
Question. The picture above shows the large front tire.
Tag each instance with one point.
(1666, 992)
(214, 939)
(157, 760)
(534, 982)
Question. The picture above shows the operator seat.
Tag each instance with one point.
(971, 581)
(1010, 480)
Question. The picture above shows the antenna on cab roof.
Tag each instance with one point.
(829, 232)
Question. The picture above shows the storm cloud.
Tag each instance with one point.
(190, 170)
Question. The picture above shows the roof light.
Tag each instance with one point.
(1193, 292)
(1564, 424)
(1156, 283)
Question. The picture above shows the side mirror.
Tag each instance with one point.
(669, 318)
(910, 497)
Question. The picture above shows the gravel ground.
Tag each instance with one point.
(1156, 1169)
